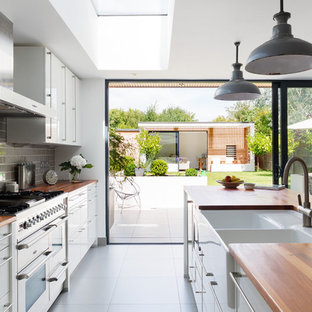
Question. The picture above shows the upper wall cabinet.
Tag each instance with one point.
(41, 76)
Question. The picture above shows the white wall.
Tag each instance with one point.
(192, 145)
(93, 142)
(81, 19)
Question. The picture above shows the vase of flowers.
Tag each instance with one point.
(75, 165)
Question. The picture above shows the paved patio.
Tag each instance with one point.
(150, 225)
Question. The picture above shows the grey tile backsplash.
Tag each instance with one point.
(12, 154)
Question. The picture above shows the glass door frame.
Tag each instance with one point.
(279, 123)
(280, 117)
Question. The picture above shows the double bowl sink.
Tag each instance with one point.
(258, 226)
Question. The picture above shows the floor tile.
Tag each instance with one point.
(79, 308)
(149, 251)
(99, 267)
(143, 267)
(191, 308)
(145, 308)
(154, 290)
(89, 291)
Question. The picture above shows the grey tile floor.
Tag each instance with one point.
(129, 278)
(156, 225)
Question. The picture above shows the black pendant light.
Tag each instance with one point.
(237, 89)
(283, 54)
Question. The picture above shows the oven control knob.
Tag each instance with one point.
(25, 225)
(28, 223)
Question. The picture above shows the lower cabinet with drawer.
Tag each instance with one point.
(81, 223)
(8, 298)
(248, 299)
(216, 289)
(219, 284)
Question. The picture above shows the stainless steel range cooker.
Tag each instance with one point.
(41, 246)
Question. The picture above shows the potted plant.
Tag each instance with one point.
(75, 165)
(139, 170)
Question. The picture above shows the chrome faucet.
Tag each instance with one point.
(305, 208)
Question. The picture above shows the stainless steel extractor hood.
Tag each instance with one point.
(13, 104)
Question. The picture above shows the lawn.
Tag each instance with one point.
(258, 177)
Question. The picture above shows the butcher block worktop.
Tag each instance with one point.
(218, 197)
(282, 273)
(64, 185)
(6, 220)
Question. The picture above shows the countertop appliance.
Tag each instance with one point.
(26, 175)
(41, 246)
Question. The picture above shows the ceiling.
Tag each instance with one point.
(202, 42)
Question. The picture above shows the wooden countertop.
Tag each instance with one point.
(4, 220)
(218, 197)
(62, 185)
(282, 273)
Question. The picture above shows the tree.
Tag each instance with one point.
(117, 152)
(121, 119)
(149, 144)
(259, 144)
(176, 114)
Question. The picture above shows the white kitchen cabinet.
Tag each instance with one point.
(8, 298)
(72, 105)
(246, 289)
(41, 76)
(212, 288)
(81, 223)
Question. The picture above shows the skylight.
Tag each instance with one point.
(131, 7)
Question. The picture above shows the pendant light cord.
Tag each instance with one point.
(281, 5)
(237, 43)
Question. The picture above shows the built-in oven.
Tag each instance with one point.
(42, 266)
(33, 292)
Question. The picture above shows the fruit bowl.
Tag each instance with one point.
(231, 185)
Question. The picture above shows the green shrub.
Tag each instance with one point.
(191, 172)
(129, 170)
(159, 167)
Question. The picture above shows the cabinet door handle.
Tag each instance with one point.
(234, 276)
(200, 291)
(211, 285)
(7, 307)
(5, 260)
(6, 235)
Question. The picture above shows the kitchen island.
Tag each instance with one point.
(282, 273)
(240, 242)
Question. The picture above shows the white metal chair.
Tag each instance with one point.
(127, 190)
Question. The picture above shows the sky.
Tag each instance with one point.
(199, 101)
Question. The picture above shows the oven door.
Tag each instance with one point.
(33, 292)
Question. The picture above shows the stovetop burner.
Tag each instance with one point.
(14, 202)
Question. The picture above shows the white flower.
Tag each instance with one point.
(78, 162)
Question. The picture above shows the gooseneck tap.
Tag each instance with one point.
(305, 209)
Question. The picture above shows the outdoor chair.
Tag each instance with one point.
(184, 163)
(127, 190)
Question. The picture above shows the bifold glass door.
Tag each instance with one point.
(295, 102)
